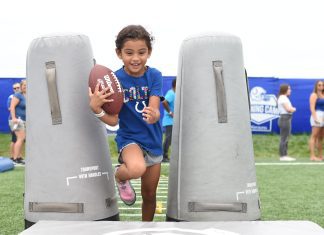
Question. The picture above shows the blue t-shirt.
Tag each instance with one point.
(132, 127)
(21, 106)
(167, 119)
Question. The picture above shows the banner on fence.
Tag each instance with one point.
(263, 100)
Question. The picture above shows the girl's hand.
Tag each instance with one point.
(150, 115)
(99, 98)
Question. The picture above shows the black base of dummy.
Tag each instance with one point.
(169, 219)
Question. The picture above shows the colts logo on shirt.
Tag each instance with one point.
(138, 94)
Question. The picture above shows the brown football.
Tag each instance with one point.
(107, 78)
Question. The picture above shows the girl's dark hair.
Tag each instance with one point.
(283, 89)
(131, 32)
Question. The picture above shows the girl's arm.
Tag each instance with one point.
(13, 104)
(151, 114)
(312, 102)
(167, 107)
(289, 108)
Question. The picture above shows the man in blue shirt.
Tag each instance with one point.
(167, 120)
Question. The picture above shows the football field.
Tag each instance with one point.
(288, 191)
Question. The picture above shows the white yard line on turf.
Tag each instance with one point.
(287, 163)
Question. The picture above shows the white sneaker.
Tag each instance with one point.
(287, 159)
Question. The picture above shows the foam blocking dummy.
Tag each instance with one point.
(212, 172)
(6, 164)
(68, 174)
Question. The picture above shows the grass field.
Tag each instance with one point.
(287, 191)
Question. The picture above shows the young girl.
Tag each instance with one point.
(139, 137)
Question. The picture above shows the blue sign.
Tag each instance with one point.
(263, 109)
(263, 101)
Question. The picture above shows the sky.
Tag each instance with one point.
(280, 38)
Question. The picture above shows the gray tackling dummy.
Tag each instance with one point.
(212, 173)
(68, 168)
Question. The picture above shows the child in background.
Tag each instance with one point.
(139, 137)
(167, 120)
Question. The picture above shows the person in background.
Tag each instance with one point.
(16, 88)
(17, 121)
(139, 137)
(316, 104)
(167, 121)
(285, 111)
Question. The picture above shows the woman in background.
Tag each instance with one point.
(285, 111)
(316, 104)
(17, 121)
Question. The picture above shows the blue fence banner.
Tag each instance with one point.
(263, 101)
(263, 93)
